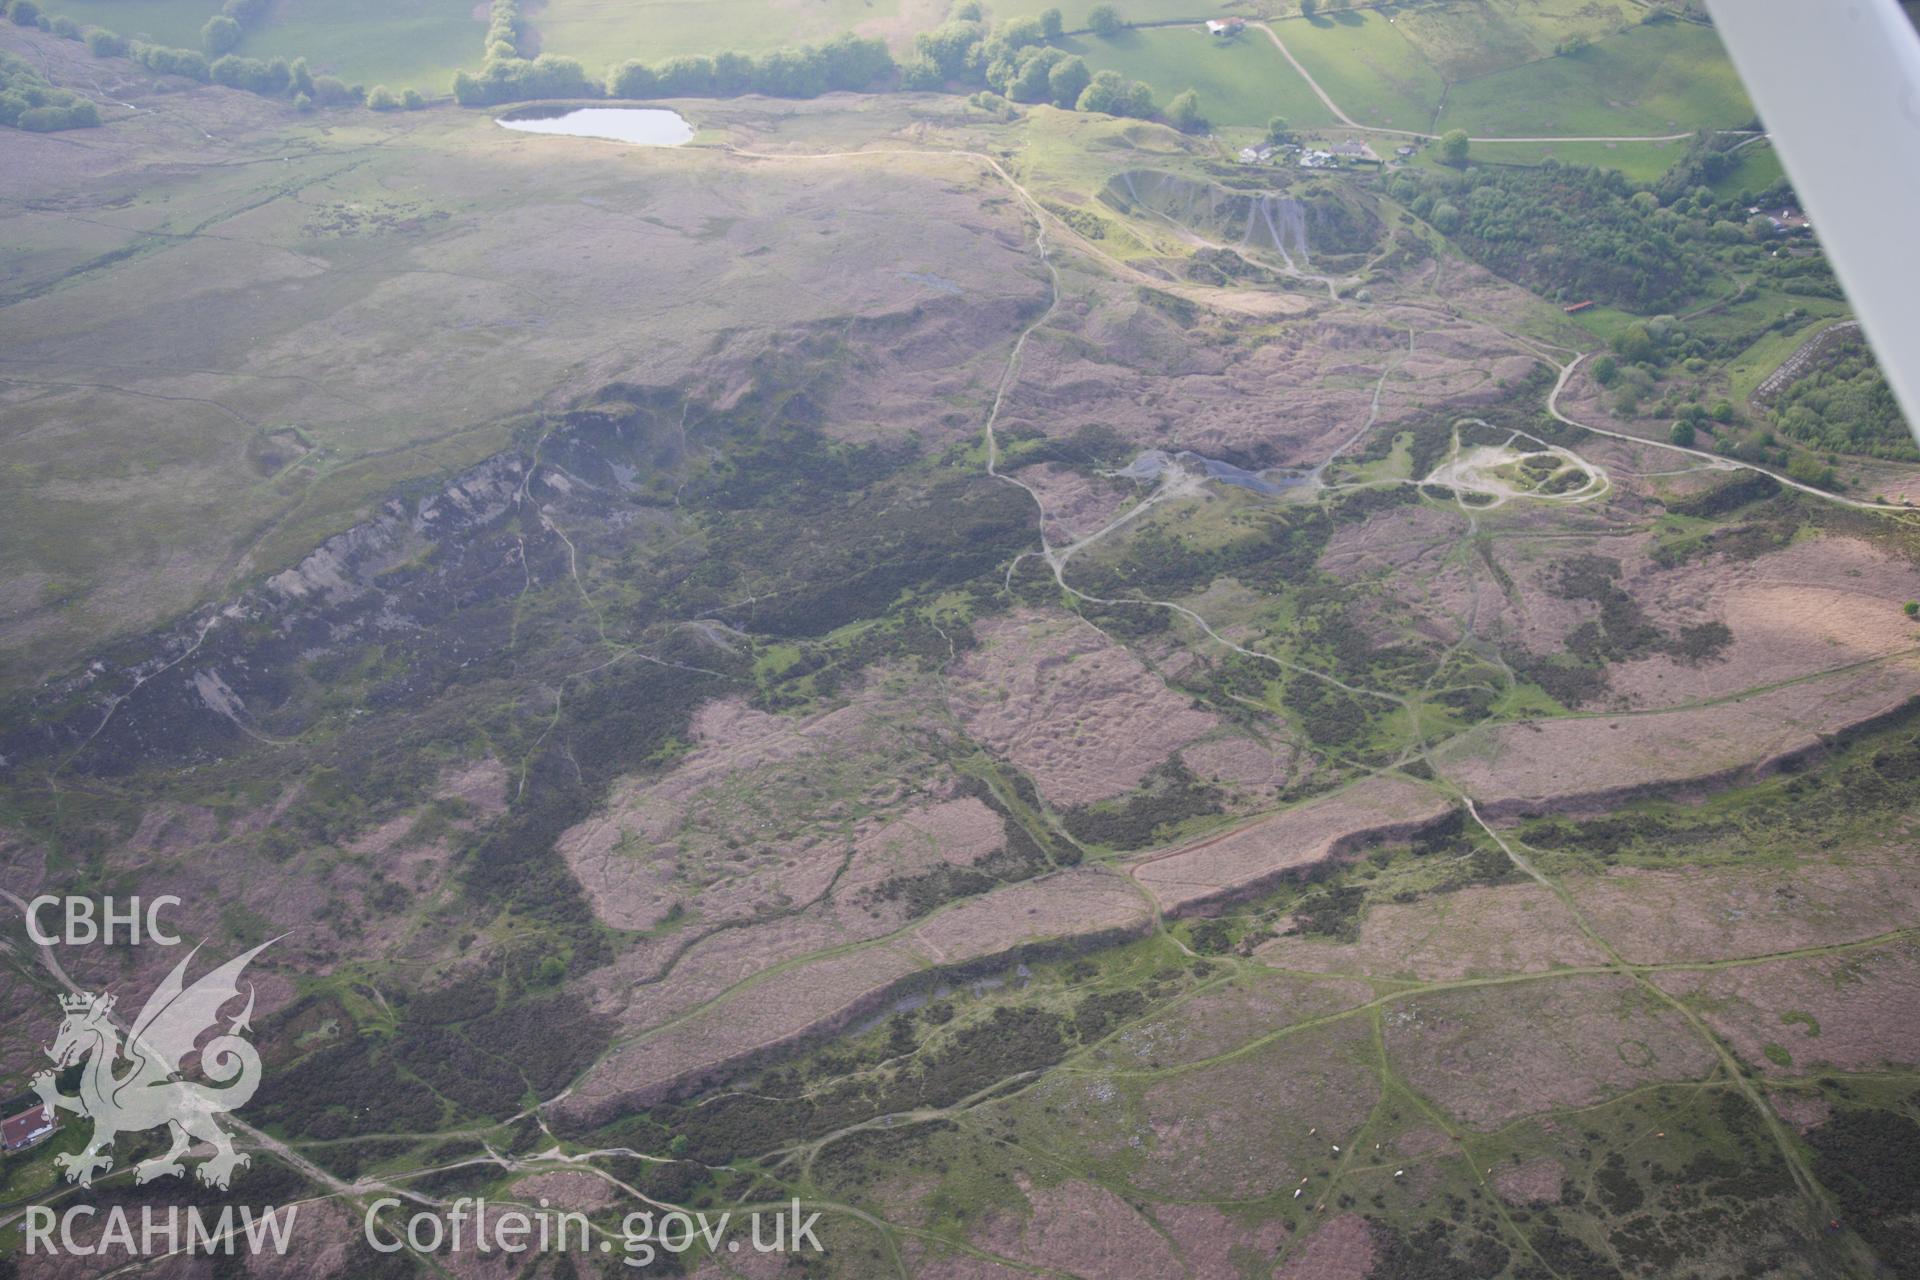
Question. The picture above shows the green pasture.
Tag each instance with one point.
(398, 43)
(1550, 22)
(1365, 63)
(1669, 77)
(1243, 81)
(1757, 168)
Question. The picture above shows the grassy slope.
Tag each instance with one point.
(1548, 22)
(1367, 66)
(1758, 169)
(394, 42)
(1240, 82)
(1666, 78)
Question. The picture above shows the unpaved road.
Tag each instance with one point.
(1553, 407)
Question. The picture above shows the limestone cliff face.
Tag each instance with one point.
(417, 577)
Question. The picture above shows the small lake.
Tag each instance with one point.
(637, 126)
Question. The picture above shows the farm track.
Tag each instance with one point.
(1326, 100)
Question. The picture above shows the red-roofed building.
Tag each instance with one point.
(27, 1129)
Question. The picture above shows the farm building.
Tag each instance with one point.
(1226, 28)
(30, 1127)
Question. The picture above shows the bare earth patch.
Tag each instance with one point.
(955, 832)
(1245, 860)
(1390, 541)
(1535, 1182)
(1480, 930)
(1493, 1054)
(1075, 711)
(1079, 903)
(1809, 607)
(1216, 1021)
(1803, 1111)
(1544, 764)
(1244, 1128)
(777, 1011)
(1711, 913)
(817, 995)
(1214, 1243)
(1076, 504)
(1252, 771)
(1340, 1250)
(1852, 1010)
(1081, 1229)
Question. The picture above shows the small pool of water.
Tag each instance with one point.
(637, 126)
(1150, 464)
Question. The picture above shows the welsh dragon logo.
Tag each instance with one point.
(133, 1085)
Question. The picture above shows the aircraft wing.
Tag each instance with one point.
(1837, 83)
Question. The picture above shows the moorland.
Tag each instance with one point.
(1074, 692)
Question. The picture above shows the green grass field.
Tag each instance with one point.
(398, 43)
(1367, 66)
(1758, 169)
(602, 33)
(1473, 40)
(1241, 82)
(1548, 22)
(169, 22)
(1671, 77)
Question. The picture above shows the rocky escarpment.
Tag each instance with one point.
(401, 602)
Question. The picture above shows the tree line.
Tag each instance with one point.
(1016, 60)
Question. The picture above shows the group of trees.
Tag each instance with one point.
(504, 30)
(28, 102)
(843, 63)
(275, 78)
(1847, 406)
(1016, 58)
(519, 79)
(224, 30)
(1568, 231)
(1019, 60)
